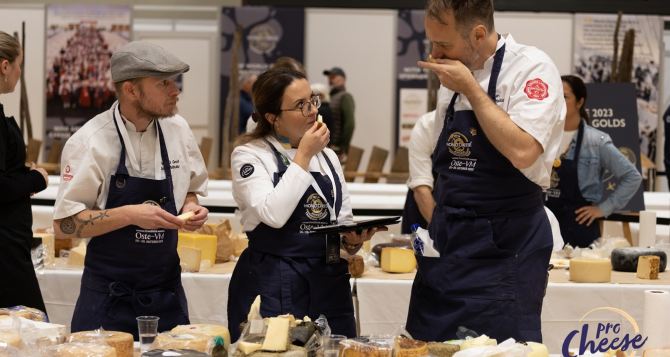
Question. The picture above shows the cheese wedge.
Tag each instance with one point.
(205, 242)
(186, 215)
(248, 347)
(77, 255)
(538, 350)
(398, 260)
(590, 270)
(277, 334)
(190, 258)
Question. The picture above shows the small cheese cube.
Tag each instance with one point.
(648, 267)
(398, 260)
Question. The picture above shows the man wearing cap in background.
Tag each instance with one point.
(125, 176)
(343, 108)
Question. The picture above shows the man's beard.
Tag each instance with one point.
(473, 58)
(152, 114)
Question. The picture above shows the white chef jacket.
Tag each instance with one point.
(543, 118)
(260, 201)
(421, 146)
(91, 155)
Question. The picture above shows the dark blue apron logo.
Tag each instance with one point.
(246, 170)
(315, 207)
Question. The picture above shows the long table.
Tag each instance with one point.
(382, 299)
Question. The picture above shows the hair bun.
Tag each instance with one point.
(255, 116)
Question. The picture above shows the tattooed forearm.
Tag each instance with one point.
(82, 223)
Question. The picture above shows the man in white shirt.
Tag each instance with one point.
(502, 110)
(126, 174)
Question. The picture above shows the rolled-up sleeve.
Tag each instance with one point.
(420, 148)
(81, 180)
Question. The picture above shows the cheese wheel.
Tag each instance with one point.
(77, 349)
(122, 342)
(625, 259)
(210, 330)
(191, 341)
(11, 338)
(398, 260)
(590, 270)
(538, 350)
(405, 347)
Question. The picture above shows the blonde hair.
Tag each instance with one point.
(9, 47)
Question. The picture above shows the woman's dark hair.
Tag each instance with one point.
(579, 90)
(267, 94)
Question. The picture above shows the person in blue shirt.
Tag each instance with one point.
(576, 195)
(246, 105)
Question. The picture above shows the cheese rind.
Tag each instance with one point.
(590, 270)
(398, 260)
(277, 334)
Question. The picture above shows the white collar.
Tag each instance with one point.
(130, 151)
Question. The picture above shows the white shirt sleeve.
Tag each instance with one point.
(81, 180)
(346, 213)
(421, 147)
(256, 195)
(198, 167)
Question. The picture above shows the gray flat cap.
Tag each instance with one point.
(140, 59)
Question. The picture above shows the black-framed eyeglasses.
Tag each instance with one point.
(306, 107)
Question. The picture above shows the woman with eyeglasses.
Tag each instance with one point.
(286, 182)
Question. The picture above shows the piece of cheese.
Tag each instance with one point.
(398, 260)
(77, 255)
(186, 215)
(480, 341)
(189, 258)
(11, 338)
(49, 246)
(625, 259)
(205, 242)
(438, 349)
(319, 119)
(405, 347)
(276, 336)
(210, 330)
(255, 310)
(248, 347)
(78, 349)
(191, 341)
(240, 244)
(590, 270)
(122, 342)
(648, 267)
(537, 350)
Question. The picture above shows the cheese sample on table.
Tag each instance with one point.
(189, 259)
(590, 270)
(210, 330)
(78, 349)
(439, 349)
(277, 334)
(11, 338)
(398, 260)
(648, 267)
(537, 350)
(248, 347)
(190, 341)
(480, 341)
(625, 259)
(205, 242)
(49, 246)
(405, 347)
(122, 342)
(77, 255)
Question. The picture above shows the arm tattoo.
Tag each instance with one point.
(75, 224)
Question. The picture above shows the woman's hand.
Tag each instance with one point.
(588, 214)
(315, 139)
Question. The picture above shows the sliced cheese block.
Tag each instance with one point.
(191, 341)
(248, 347)
(77, 255)
(480, 341)
(537, 350)
(405, 347)
(255, 310)
(186, 215)
(78, 349)
(438, 349)
(625, 259)
(205, 242)
(122, 342)
(210, 330)
(590, 270)
(398, 260)
(11, 338)
(276, 336)
(189, 258)
(648, 267)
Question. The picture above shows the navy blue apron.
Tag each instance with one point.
(493, 235)
(287, 267)
(132, 271)
(564, 198)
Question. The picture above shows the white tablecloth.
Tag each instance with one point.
(383, 306)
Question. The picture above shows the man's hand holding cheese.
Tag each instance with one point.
(126, 176)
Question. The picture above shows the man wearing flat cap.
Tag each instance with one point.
(126, 175)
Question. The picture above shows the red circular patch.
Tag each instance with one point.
(536, 89)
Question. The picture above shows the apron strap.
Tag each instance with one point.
(337, 184)
(121, 167)
(580, 136)
(165, 158)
